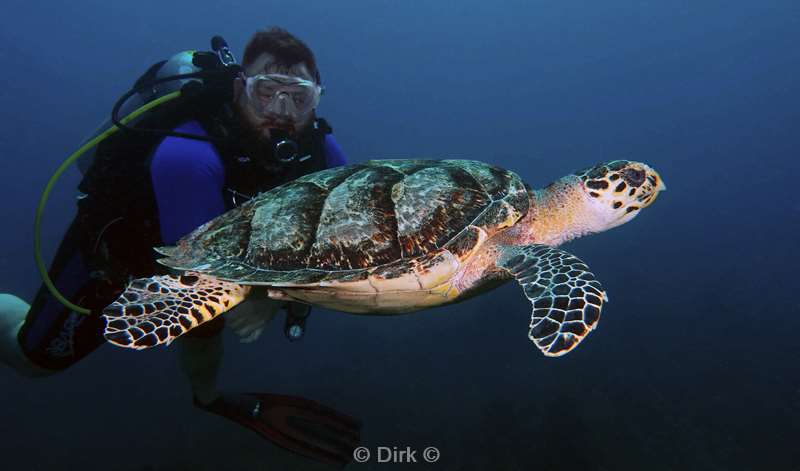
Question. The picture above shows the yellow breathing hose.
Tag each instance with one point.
(37, 225)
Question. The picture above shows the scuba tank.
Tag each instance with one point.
(188, 75)
(179, 64)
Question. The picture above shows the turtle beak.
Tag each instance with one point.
(652, 186)
(661, 185)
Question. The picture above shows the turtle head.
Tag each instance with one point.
(618, 190)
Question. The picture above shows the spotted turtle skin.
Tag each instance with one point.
(381, 218)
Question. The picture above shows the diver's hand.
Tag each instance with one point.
(248, 319)
(299, 425)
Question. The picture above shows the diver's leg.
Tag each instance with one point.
(201, 349)
(200, 354)
(53, 336)
(294, 423)
(12, 316)
(46, 337)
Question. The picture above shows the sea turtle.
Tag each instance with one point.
(391, 237)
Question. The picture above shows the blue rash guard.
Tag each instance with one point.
(188, 179)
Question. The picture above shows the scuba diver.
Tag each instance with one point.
(235, 131)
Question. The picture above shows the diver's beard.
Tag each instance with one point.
(261, 128)
(254, 133)
(255, 140)
(263, 133)
(258, 142)
(259, 135)
(286, 126)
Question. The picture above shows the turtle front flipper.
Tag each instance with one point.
(158, 310)
(566, 297)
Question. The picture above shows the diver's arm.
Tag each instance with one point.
(200, 359)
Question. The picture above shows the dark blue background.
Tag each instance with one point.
(694, 365)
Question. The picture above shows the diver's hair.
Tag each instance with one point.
(284, 47)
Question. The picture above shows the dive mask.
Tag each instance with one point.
(283, 96)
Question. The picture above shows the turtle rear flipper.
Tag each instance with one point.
(157, 310)
(566, 297)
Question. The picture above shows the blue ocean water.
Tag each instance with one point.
(694, 364)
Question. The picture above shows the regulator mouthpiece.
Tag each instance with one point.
(286, 150)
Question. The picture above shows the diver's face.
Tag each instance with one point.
(265, 123)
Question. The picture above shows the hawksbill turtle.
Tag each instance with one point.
(392, 237)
